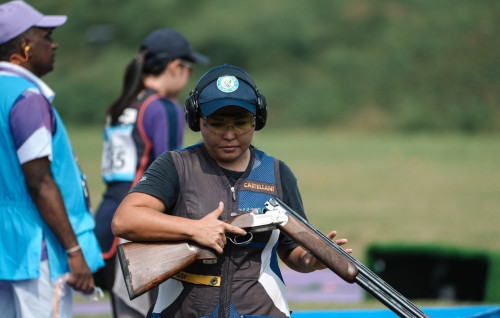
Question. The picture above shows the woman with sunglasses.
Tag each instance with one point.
(144, 121)
(186, 194)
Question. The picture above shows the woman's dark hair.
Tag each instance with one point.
(145, 63)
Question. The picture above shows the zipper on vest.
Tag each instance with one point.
(225, 297)
(233, 193)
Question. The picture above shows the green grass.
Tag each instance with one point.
(429, 189)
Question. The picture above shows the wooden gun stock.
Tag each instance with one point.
(321, 249)
(148, 264)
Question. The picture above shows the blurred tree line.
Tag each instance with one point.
(371, 65)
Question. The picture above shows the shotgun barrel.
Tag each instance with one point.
(365, 278)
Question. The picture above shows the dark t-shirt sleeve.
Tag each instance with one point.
(160, 180)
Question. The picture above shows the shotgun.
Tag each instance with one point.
(172, 257)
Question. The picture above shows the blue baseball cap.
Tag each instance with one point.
(17, 17)
(172, 44)
(228, 86)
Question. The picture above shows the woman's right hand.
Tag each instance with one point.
(211, 232)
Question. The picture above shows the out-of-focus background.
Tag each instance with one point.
(407, 66)
(387, 111)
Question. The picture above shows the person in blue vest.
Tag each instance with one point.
(46, 226)
(185, 195)
(143, 122)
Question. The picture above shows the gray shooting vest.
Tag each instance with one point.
(246, 280)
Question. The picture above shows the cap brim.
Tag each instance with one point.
(51, 21)
(199, 58)
(211, 107)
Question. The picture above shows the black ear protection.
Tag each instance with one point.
(192, 109)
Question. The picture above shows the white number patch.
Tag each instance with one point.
(119, 156)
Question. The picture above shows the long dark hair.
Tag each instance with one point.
(144, 63)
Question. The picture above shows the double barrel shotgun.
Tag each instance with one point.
(171, 257)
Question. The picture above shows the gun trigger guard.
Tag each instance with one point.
(236, 239)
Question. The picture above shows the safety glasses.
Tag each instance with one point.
(220, 124)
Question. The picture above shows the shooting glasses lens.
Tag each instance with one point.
(219, 124)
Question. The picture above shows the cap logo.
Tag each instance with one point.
(227, 84)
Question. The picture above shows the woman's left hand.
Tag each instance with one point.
(309, 260)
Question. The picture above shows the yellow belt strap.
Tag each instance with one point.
(197, 279)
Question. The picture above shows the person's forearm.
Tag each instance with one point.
(137, 223)
(48, 200)
(51, 206)
(294, 260)
(140, 217)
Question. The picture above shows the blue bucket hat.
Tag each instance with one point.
(227, 86)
